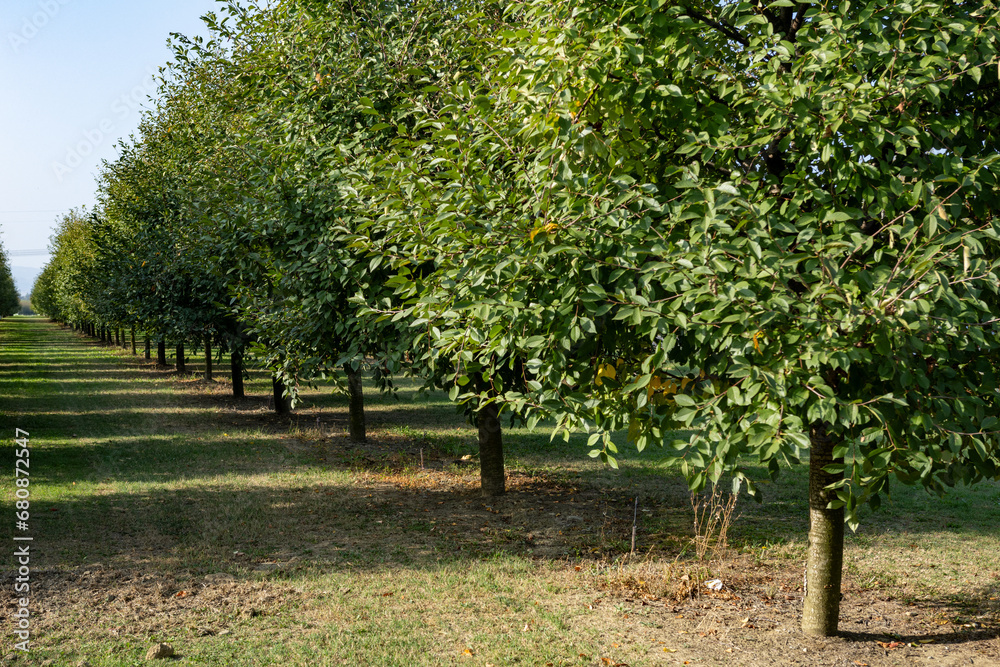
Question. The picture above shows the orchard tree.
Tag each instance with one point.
(154, 263)
(10, 301)
(308, 80)
(773, 226)
(61, 289)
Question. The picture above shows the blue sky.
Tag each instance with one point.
(74, 76)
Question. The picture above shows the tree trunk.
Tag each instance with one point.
(161, 352)
(357, 410)
(208, 358)
(236, 364)
(118, 337)
(282, 403)
(149, 348)
(491, 473)
(181, 368)
(133, 342)
(821, 609)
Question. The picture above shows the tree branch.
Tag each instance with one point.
(797, 22)
(727, 30)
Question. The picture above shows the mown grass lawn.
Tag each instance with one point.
(164, 510)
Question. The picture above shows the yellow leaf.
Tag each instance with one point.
(605, 371)
(467, 651)
(547, 228)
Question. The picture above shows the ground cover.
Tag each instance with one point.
(165, 510)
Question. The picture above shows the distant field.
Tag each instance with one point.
(163, 510)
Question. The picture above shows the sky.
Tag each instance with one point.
(74, 77)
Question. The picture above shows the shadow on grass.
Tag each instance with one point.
(241, 525)
(160, 485)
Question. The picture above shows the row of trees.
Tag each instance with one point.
(768, 225)
(10, 300)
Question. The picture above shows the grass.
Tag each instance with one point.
(162, 509)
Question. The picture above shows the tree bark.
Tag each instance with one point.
(282, 403)
(208, 358)
(357, 408)
(118, 337)
(133, 342)
(149, 348)
(181, 367)
(821, 608)
(236, 364)
(491, 472)
(161, 352)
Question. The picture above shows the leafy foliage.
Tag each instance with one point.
(757, 234)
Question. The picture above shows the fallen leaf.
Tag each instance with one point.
(182, 594)
(670, 650)
(861, 664)
(889, 646)
(467, 651)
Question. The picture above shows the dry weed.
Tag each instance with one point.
(647, 579)
(713, 515)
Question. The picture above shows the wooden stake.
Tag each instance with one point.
(635, 522)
